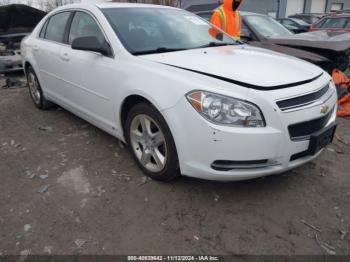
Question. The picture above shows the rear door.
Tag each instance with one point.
(47, 49)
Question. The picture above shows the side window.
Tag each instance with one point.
(84, 25)
(56, 27)
(347, 24)
(334, 23)
(43, 29)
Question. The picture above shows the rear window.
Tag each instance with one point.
(56, 27)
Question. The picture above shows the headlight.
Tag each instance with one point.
(225, 110)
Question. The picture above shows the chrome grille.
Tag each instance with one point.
(303, 100)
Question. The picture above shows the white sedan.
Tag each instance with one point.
(184, 96)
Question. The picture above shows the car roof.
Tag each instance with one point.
(295, 19)
(344, 10)
(244, 13)
(103, 5)
(133, 5)
(309, 14)
(335, 16)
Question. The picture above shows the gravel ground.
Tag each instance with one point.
(69, 188)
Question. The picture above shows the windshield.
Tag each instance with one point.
(267, 26)
(155, 30)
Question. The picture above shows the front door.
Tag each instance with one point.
(88, 75)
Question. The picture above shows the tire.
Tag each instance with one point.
(151, 143)
(35, 91)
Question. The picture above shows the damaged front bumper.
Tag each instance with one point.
(10, 61)
(218, 152)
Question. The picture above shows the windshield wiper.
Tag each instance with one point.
(213, 44)
(158, 50)
(166, 49)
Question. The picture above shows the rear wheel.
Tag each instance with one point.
(35, 91)
(151, 143)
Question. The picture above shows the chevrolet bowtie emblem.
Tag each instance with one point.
(324, 109)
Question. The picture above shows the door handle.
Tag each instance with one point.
(35, 48)
(65, 57)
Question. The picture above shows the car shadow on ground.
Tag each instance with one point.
(251, 184)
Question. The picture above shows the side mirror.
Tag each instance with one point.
(91, 43)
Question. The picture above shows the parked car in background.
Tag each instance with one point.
(326, 50)
(295, 25)
(344, 11)
(308, 18)
(184, 101)
(16, 22)
(205, 14)
(333, 23)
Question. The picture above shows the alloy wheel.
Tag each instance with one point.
(34, 88)
(148, 142)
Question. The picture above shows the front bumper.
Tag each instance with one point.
(269, 150)
(10, 63)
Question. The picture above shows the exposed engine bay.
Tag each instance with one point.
(16, 22)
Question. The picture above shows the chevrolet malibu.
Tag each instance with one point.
(185, 97)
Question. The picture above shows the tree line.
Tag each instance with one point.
(46, 5)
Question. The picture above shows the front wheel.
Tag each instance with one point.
(151, 143)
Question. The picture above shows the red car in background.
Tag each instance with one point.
(333, 23)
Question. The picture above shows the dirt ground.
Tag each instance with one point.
(67, 187)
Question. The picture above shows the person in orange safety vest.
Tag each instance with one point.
(227, 18)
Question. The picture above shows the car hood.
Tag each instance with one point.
(319, 39)
(288, 50)
(244, 65)
(17, 18)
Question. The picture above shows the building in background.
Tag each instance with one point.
(280, 8)
(275, 8)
